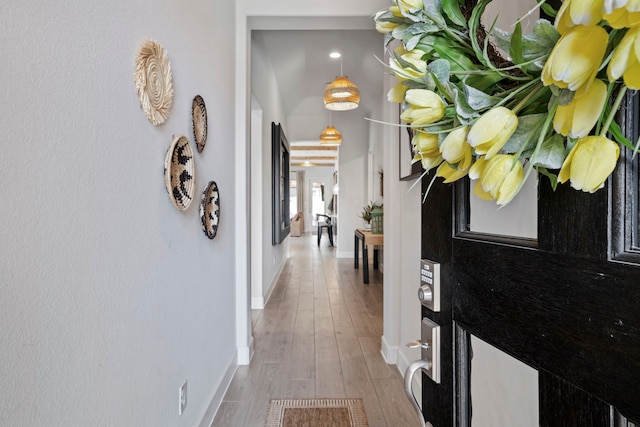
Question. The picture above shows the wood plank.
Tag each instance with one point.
(317, 337)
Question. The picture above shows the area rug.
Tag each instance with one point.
(316, 413)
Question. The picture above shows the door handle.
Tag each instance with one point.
(416, 366)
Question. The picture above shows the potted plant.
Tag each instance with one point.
(366, 212)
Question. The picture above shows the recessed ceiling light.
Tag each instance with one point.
(335, 55)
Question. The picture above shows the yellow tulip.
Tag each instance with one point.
(426, 149)
(492, 130)
(457, 153)
(454, 146)
(578, 12)
(625, 61)
(407, 5)
(396, 93)
(622, 14)
(384, 27)
(576, 57)
(590, 163)
(414, 58)
(500, 178)
(395, 11)
(425, 107)
(577, 118)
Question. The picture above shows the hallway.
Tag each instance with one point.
(319, 336)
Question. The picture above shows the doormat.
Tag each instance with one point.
(316, 413)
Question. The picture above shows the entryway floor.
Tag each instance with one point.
(318, 337)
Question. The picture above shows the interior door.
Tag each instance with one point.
(566, 303)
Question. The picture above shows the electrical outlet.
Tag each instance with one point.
(182, 403)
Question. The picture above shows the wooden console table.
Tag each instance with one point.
(367, 238)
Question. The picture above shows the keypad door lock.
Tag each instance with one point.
(429, 290)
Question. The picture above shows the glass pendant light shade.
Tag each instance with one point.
(341, 95)
(331, 135)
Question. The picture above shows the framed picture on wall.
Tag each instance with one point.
(281, 218)
(408, 171)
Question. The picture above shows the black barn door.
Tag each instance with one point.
(566, 304)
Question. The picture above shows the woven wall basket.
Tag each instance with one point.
(179, 173)
(154, 82)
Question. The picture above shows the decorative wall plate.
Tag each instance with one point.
(154, 82)
(179, 172)
(210, 209)
(199, 113)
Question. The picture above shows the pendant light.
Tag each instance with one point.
(330, 135)
(341, 94)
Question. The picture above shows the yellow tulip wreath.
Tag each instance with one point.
(550, 106)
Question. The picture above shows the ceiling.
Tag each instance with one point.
(302, 67)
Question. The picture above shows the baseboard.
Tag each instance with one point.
(389, 353)
(218, 395)
(259, 303)
(245, 354)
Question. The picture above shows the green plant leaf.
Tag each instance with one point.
(451, 8)
(549, 10)
(501, 39)
(483, 81)
(551, 154)
(465, 113)
(459, 62)
(515, 48)
(411, 41)
(433, 9)
(441, 69)
(537, 45)
(553, 178)
(526, 134)
(477, 99)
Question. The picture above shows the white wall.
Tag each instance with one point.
(402, 224)
(265, 89)
(109, 297)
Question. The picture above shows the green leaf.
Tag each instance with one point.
(553, 178)
(515, 49)
(398, 32)
(452, 10)
(441, 69)
(458, 61)
(433, 9)
(549, 10)
(478, 100)
(465, 113)
(537, 45)
(551, 154)
(411, 41)
(501, 39)
(483, 81)
(526, 134)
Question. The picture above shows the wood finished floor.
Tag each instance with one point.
(318, 337)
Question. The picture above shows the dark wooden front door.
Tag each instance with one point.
(566, 304)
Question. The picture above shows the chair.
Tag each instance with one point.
(297, 225)
(325, 224)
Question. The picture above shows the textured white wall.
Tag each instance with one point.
(109, 297)
(265, 89)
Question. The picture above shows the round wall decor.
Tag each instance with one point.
(199, 113)
(210, 209)
(154, 82)
(179, 173)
